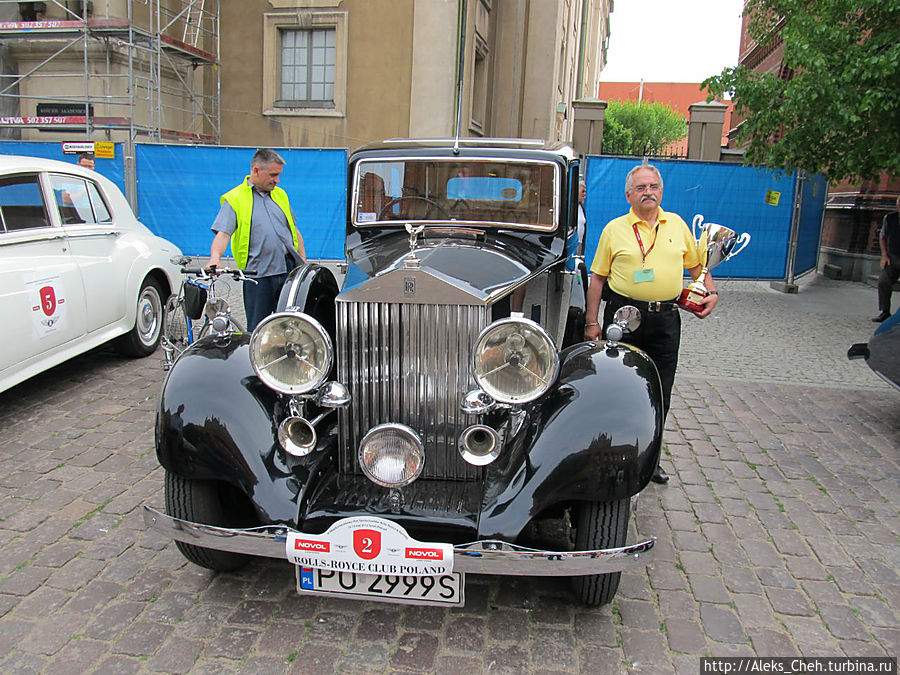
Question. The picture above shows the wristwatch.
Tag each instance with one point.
(712, 292)
(591, 323)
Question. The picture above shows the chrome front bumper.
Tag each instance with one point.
(479, 557)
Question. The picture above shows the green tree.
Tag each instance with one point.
(836, 110)
(631, 128)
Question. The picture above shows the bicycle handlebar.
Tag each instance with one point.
(211, 272)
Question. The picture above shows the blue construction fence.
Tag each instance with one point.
(745, 199)
(179, 186)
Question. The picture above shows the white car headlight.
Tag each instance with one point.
(291, 353)
(515, 360)
(392, 455)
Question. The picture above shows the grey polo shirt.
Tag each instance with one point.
(270, 235)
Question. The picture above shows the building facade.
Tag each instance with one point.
(296, 73)
(343, 73)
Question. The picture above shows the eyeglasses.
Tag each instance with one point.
(644, 188)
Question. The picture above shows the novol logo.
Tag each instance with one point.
(425, 553)
(311, 545)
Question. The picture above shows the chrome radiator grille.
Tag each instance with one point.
(410, 364)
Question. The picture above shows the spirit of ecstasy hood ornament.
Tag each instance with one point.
(411, 261)
(414, 233)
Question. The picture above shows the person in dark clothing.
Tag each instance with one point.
(889, 242)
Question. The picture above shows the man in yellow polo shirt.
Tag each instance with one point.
(642, 257)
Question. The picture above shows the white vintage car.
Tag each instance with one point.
(77, 269)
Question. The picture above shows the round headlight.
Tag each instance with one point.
(515, 360)
(291, 353)
(392, 455)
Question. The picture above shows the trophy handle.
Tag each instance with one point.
(741, 242)
(697, 222)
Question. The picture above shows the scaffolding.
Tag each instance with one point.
(110, 70)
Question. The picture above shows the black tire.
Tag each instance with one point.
(143, 338)
(209, 503)
(599, 525)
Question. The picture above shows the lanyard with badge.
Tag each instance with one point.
(644, 274)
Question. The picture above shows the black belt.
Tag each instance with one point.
(644, 305)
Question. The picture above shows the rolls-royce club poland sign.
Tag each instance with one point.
(369, 545)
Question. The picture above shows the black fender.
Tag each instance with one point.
(311, 288)
(217, 421)
(596, 435)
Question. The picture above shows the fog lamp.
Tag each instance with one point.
(392, 455)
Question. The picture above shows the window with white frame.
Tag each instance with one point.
(307, 68)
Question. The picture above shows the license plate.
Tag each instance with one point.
(446, 589)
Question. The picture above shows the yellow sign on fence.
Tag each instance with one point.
(104, 149)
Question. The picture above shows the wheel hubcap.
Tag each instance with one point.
(148, 316)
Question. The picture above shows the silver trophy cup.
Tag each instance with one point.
(717, 244)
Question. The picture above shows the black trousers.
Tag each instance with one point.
(260, 298)
(886, 281)
(659, 335)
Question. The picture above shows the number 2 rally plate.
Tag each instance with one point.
(368, 545)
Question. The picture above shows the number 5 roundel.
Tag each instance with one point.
(48, 300)
(367, 543)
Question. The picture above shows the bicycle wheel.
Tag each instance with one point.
(175, 326)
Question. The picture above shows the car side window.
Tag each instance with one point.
(101, 212)
(78, 200)
(72, 199)
(22, 204)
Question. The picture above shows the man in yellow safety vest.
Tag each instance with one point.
(256, 218)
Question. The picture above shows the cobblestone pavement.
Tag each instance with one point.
(753, 325)
(777, 535)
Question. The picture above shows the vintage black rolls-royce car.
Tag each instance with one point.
(435, 415)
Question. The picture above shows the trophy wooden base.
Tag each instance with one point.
(689, 298)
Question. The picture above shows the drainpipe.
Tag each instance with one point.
(461, 49)
(580, 82)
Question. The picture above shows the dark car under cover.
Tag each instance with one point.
(882, 351)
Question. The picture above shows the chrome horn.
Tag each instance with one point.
(479, 444)
(297, 436)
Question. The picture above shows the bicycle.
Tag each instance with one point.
(197, 298)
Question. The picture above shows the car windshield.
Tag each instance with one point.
(486, 192)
